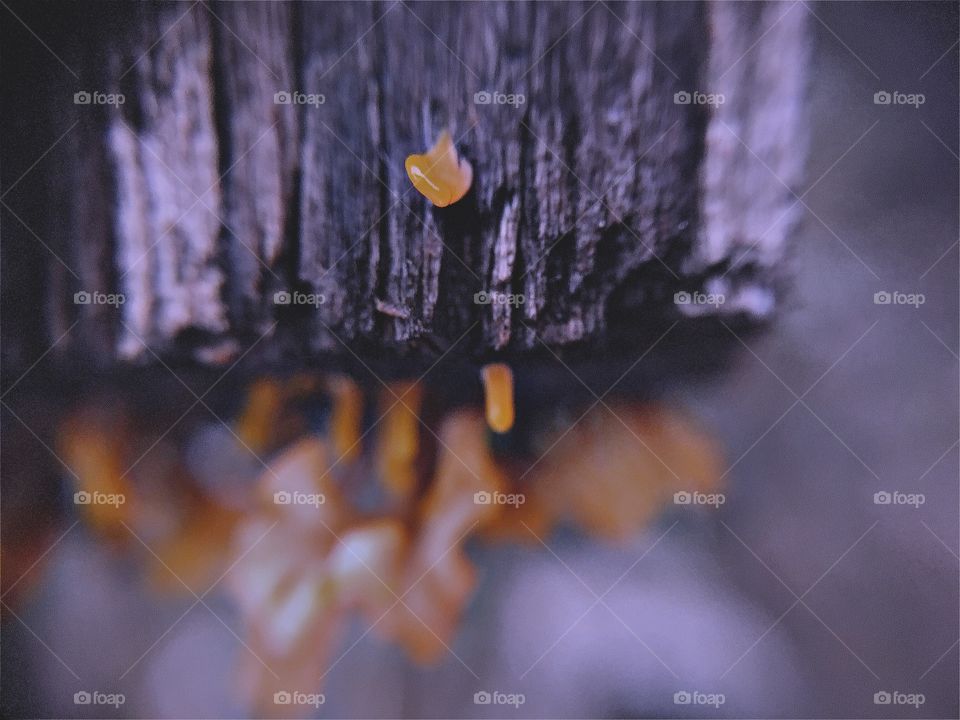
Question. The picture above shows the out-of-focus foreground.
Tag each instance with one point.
(798, 559)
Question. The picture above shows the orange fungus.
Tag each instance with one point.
(498, 389)
(440, 175)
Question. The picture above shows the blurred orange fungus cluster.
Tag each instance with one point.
(308, 525)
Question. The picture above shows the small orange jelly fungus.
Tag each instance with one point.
(347, 417)
(498, 389)
(258, 422)
(400, 438)
(192, 558)
(440, 175)
(92, 444)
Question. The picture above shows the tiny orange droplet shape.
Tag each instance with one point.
(498, 392)
(258, 422)
(400, 437)
(440, 175)
(347, 417)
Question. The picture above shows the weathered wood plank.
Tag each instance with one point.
(598, 192)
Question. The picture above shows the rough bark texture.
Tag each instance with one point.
(596, 199)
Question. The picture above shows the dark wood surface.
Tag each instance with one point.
(596, 199)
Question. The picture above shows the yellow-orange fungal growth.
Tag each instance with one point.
(192, 558)
(498, 391)
(399, 440)
(440, 175)
(303, 470)
(636, 458)
(364, 565)
(92, 444)
(347, 417)
(258, 422)
(288, 600)
(439, 576)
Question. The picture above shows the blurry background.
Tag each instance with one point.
(799, 597)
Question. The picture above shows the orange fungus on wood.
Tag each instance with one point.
(258, 422)
(498, 389)
(400, 438)
(347, 417)
(440, 174)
